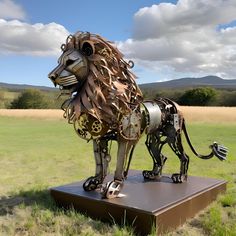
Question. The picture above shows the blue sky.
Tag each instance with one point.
(165, 39)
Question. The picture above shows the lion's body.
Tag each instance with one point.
(106, 104)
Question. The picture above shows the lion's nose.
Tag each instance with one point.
(52, 76)
(56, 72)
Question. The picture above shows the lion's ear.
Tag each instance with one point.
(87, 48)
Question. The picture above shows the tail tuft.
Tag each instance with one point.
(219, 151)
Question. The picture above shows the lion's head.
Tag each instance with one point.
(73, 65)
(94, 70)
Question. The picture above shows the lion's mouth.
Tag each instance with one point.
(66, 81)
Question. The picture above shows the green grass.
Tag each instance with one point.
(36, 154)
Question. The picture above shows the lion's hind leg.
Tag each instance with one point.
(154, 146)
(102, 159)
(177, 146)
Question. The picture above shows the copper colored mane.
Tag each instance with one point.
(110, 88)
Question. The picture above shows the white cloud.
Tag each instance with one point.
(185, 38)
(18, 37)
(11, 10)
(38, 39)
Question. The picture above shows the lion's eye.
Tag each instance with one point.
(69, 62)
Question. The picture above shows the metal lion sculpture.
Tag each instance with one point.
(105, 104)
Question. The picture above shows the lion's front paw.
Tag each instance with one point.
(178, 178)
(111, 189)
(91, 183)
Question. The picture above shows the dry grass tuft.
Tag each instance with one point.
(209, 114)
(33, 113)
(191, 114)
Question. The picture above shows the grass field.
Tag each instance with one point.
(37, 152)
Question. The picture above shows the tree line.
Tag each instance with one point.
(202, 96)
(30, 99)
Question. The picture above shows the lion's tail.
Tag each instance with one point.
(216, 149)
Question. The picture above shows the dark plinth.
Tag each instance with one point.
(146, 203)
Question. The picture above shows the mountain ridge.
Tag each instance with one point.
(210, 80)
(188, 82)
(24, 86)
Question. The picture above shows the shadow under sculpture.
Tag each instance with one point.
(105, 103)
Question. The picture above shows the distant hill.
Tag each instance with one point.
(25, 86)
(212, 81)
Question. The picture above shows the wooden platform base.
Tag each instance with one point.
(146, 203)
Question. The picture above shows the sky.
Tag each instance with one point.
(165, 39)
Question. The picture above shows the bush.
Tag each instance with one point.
(171, 94)
(30, 99)
(227, 98)
(1, 99)
(198, 97)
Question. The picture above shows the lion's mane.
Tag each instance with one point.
(110, 89)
